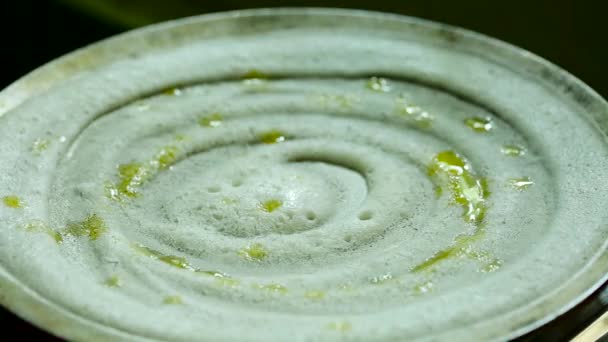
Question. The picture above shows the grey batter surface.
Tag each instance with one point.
(301, 175)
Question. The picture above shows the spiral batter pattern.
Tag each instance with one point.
(352, 185)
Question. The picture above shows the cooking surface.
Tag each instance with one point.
(55, 46)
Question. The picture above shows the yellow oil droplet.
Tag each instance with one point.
(342, 327)
(458, 249)
(255, 79)
(174, 91)
(314, 294)
(181, 263)
(213, 120)
(40, 145)
(56, 236)
(12, 201)
(379, 84)
(166, 157)
(447, 161)
(173, 300)
(216, 274)
(175, 261)
(521, 183)
(272, 137)
(513, 150)
(271, 205)
(420, 117)
(423, 287)
(113, 281)
(381, 279)
(93, 226)
(131, 176)
(254, 73)
(41, 227)
(477, 124)
(276, 288)
(442, 255)
(254, 252)
(171, 260)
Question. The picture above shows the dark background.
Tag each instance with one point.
(571, 34)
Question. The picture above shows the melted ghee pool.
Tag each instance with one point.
(469, 191)
(449, 169)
